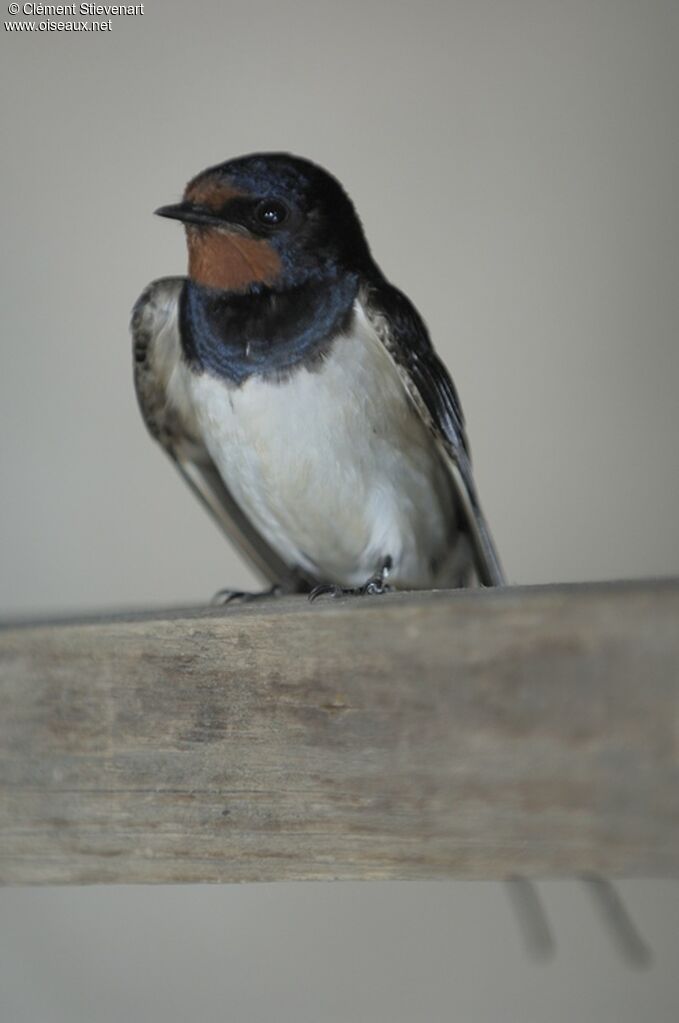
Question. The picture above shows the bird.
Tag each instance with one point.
(298, 392)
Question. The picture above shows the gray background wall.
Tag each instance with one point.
(515, 164)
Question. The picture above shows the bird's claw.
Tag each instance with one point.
(325, 588)
(224, 597)
(378, 583)
(374, 586)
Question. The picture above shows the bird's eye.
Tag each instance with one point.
(271, 212)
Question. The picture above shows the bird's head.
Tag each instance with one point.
(268, 220)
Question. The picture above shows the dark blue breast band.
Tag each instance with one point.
(267, 332)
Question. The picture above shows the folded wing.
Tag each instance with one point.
(404, 335)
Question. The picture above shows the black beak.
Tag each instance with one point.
(188, 213)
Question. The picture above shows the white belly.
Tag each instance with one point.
(334, 467)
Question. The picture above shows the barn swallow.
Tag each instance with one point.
(298, 392)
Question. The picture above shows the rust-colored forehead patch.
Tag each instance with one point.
(211, 193)
(231, 262)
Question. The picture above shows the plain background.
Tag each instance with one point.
(515, 164)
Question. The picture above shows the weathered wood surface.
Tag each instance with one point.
(529, 731)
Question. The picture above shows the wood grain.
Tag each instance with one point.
(529, 731)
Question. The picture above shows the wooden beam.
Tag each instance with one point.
(529, 731)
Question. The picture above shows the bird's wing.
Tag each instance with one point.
(171, 421)
(405, 337)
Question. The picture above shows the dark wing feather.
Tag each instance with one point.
(428, 383)
(157, 348)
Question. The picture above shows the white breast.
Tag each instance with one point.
(333, 465)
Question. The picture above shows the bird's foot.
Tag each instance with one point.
(224, 597)
(376, 584)
(330, 589)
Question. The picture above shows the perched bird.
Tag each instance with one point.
(299, 394)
